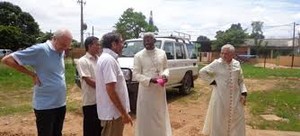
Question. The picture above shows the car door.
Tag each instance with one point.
(169, 49)
(180, 60)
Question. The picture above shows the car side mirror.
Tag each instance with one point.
(125, 44)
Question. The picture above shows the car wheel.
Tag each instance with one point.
(187, 83)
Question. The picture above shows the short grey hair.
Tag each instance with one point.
(229, 46)
(62, 32)
(148, 34)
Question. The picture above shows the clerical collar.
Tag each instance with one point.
(110, 52)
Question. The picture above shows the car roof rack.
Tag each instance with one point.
(184, 37)
(177, 36)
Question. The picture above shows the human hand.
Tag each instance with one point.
(161, 82)
(36, 80)
(213, 83)
(127, 119)
(243, 100)
(153, 80)
(164, 78)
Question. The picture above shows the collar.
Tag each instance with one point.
(88, 55)
(224, 62)
(48, 42)
(50, 45)
(110, 52)
(150, 51)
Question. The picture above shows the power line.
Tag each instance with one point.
(279, 25)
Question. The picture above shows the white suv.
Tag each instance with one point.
(182, 64)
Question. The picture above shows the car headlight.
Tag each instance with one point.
(127, 74)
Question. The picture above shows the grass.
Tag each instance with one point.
(262, 73)
(11, 80)
(251, 71)
(283, 103)
(283, 100)
(16, 90)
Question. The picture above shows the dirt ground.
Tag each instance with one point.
(187, 115)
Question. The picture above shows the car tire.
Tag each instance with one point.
(187, 83)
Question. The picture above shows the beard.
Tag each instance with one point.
(149, 47)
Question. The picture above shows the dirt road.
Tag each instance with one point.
(187, 115)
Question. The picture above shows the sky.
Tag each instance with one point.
(195, 17)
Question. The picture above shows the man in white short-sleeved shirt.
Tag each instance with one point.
(111, 90)
(86, 67)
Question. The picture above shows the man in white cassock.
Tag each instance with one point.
(225, 114)
(152, 116)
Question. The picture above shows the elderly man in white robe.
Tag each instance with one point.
(150, 67)
(225, 114)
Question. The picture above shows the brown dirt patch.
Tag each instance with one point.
(187, 115)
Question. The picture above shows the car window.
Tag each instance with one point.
(169, 49)
(180, 52)
(191, 51)
(132, 47)
(4, 52)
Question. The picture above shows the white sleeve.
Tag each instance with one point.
(208, 72)
(137, 72)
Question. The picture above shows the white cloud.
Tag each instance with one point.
(197, 17)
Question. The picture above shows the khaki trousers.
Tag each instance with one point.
(112, 127)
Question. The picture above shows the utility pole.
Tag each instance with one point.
(298, 51)
(81, 2)
(93, 31)
(293, 53)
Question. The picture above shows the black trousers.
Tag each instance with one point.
(50, 122)
(91, 123)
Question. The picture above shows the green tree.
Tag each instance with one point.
(10, 37)
(44, 37)
(258, 37)
(202, 38)
(257, 32)
(235, 35)
(17, 25)
(132, 23)
(204, 44)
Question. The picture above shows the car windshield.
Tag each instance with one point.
(132, 47)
